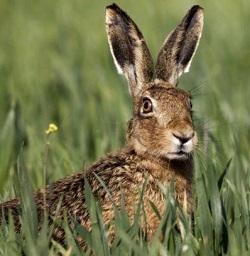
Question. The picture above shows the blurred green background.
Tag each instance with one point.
(55, 67)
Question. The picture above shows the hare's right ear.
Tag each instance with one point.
(177, 52)
(129, 49)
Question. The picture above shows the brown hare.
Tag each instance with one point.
(160, 136)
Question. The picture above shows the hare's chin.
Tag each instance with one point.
(180, 155)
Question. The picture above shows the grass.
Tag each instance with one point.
(55, 66)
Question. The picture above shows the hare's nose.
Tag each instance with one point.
(183, 138)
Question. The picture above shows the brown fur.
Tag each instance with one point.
(160, 136)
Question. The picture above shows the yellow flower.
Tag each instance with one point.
(52, 128)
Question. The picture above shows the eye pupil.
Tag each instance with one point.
(147, 106)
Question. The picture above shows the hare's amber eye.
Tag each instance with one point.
(147, 106)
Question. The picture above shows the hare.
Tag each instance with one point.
(160, 137)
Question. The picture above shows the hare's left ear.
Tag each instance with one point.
(177, 52)
(129, 49)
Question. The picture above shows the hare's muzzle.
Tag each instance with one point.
(183, 145)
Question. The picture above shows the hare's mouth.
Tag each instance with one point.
(181, 155)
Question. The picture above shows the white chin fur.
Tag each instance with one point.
(177, 156)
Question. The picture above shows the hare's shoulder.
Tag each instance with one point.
(122, 167)
(126, 169)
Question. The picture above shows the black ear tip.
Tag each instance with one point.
(195, 14)
(113, 6)
(196, 8)
(116, 10)
(195, 11)
(112, 10)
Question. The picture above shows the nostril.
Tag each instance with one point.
(183, 138)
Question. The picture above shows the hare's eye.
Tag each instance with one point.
(191, 105)
(147, 106)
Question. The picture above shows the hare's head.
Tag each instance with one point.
(162, 123)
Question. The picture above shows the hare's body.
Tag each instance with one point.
(124, 173)
(160, 136)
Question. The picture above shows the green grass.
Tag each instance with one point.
(55, 66)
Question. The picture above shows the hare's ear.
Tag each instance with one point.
(128, 48)
(176, 54)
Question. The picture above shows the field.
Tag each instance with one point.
(55, 67)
